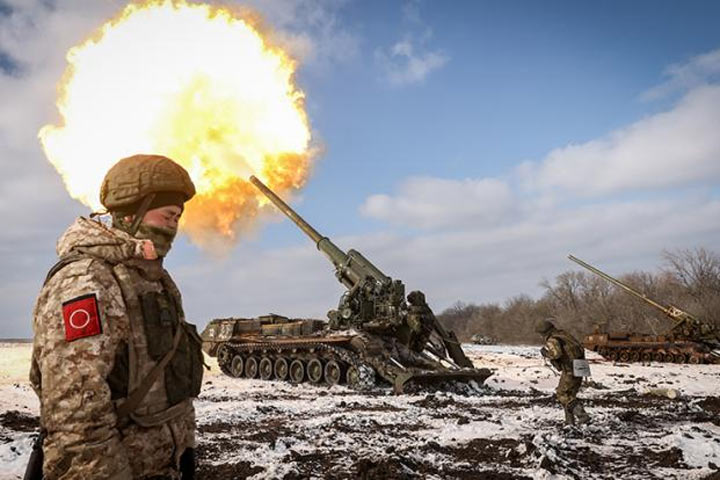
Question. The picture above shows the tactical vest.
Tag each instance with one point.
(154, 309)
(572, 349)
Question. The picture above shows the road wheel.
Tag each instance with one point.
(668, 358)
(360, 377)
(635, 356)
(624, 356)
(679, 358)
(237, 366)
(314, 370)
(223, 355)
(281, 368)
(297, 371)
(646, 357)
(266, 368)
(694, 359)
(658, 357)
(251, 367)
(333, 372)
(613, 355)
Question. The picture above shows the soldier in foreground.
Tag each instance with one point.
(562, 349)
(114, 363)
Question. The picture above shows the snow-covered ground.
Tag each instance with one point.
(511, 429)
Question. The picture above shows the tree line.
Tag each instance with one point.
(580, 301)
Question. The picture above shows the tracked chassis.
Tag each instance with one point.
(689, 340)
(301, 350)
(624, 347)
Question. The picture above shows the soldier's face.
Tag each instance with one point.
(166, 217)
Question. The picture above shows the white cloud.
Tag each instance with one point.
(37, 34)
(488, 239)
(402, 65)
(410, 60)
(697, 71)
(564, 203)
(494, 263)
(676, 148)
(483, 242)
(293, 281)
(311, 30)
(436, 203)
(38, 37)
(480, 264)
(34, 207)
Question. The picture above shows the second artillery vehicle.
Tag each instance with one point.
(375, 334)
(689, 340)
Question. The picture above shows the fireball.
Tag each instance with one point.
(202, 85)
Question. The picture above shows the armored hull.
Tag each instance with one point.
(278, 348)
(376, 334)
(628, 347)
(689, 340)
(480, 339)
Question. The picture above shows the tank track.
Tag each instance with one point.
(223, 359)
(656, 355)
(351, 370)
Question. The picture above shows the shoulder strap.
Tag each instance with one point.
(572, 347)
(62, 263)
(137, 395)
(134, 399)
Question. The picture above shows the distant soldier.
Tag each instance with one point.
(114, 363)
(419, 323)
(562, 349)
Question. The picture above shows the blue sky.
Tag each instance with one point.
(469, 147)
(521, 78)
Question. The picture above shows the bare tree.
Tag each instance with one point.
(581, 302)
(698, 270)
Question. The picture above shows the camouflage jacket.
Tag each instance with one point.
(93, 343)
(562, 348)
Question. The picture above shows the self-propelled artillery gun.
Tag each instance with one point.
(688, 340)
(376, 334)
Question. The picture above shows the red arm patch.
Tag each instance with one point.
(81, 316)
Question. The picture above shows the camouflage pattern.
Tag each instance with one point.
(72, 379)
(161, 237)
(419, 321)
(132, 178)
(561, 349)
(568, 388)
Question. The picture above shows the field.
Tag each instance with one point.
(509, 429)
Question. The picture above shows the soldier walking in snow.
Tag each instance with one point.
(562, 349)
(114, 363)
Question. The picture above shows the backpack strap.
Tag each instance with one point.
(62, 263)
(137, 395)
(572, 348)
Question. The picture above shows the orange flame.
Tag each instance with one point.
(196, 83)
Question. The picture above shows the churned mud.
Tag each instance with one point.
(631, 436)
(512, 428)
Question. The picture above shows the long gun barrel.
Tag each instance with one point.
(351, 267)
(620, 284)
(673, 312)
(372, 296)
(292, 214)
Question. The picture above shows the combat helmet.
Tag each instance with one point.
(140, 182)
(544, 326)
